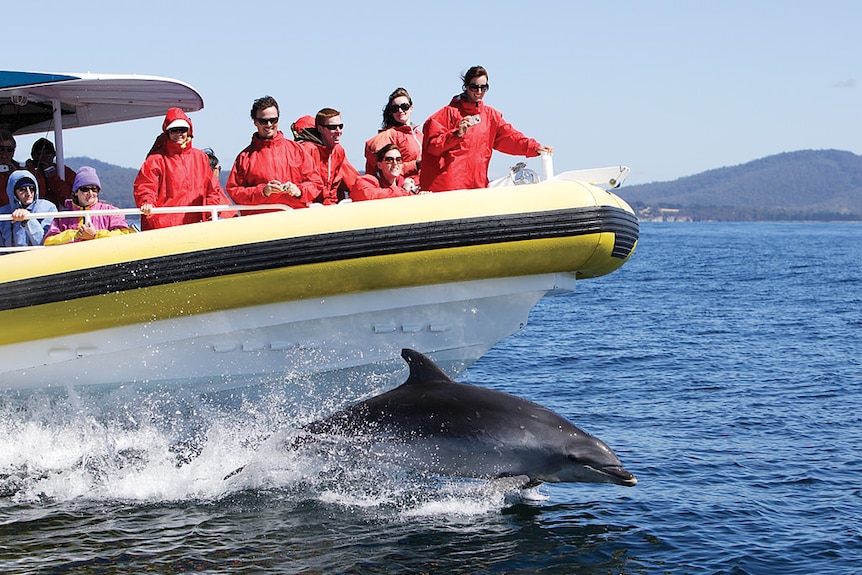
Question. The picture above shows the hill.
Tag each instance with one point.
(812, 185)
(804, 185)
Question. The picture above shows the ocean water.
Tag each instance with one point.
(722, 364)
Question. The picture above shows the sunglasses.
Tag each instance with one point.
(334, 127)
(26, 188)
(177, 130)
(7, 148)
(395, 108)
(391, 160)
(478, 87)
(267, 121)
(94, 189)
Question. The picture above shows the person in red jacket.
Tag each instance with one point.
(272, 169)
(460, 138)
(175, 174)
(386, 180)
(321, 138)
(397, 129)
(57, 189)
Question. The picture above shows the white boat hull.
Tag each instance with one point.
(334, 339)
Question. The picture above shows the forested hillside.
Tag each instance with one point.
(805, 185)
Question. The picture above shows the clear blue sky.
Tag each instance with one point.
(668, 88)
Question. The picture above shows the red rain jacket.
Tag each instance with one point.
(175, 176)
(275, 159)
(450, 162)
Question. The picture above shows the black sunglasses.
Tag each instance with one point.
(334, 126)
(478, 87)
(267, 121)
(395, 107)
(391, 160)
(177, 130)
(7, 148)
(94, 189)
(26, 188)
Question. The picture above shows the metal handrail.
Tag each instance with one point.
(214, 210)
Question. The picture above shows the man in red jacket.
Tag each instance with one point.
(459, 138)
(272, 169)
(321, 138)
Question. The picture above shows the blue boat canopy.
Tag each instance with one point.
(33, 102)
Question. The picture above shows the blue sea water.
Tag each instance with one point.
(721, 363)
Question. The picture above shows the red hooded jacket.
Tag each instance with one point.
(450, 162)
(175, 176)
(335, 170)
(274, 159)
(409, 142)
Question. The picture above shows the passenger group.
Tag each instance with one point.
(451, 151)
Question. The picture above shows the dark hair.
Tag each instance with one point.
(7, 135)
(263, 104)
(388, 117)
(324, 115)
(40, 145)
(473, 72)
(213, 158)
(381, 153)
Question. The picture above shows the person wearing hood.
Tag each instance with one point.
(272, 169)
(83, 226)
(22, 189)
(397, 129)
(321, 138)
(459, 139)
(175, 173)
(9, 165)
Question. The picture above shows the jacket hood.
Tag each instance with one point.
(10, 186)
(304, 129)
(177, 114)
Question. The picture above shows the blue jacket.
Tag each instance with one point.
(29, 232)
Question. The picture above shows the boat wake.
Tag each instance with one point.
(139, 447)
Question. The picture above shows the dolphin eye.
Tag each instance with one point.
(572, 458)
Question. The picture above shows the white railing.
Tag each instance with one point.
(212, 210)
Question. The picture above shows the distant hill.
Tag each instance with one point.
(803, 185)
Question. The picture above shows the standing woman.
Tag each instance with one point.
(175, 174)
(386, 181)
(460, 138)
(397, 129)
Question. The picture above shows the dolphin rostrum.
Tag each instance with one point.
(457, 429)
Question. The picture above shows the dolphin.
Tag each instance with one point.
(456, 429)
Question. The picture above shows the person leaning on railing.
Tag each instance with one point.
(83, 227)
(175, 173)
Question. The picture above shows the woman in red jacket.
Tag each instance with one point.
(397, 129)
(459, 139)
(386, 181)
(175, 174)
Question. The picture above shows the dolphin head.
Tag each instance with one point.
(586, 458)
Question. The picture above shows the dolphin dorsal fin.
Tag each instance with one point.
(422, 369)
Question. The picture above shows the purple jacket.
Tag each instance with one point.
(63, 230)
